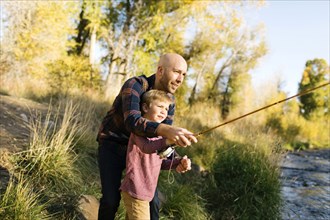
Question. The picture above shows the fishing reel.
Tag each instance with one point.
(166, 152)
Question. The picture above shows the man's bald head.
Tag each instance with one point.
(171, 70)
(170, 59)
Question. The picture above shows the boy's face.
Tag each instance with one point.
(156, 111)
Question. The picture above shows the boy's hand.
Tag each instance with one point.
(184, 166)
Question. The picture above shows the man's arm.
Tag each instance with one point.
(132, 91)
(179, 136)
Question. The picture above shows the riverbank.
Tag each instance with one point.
(305, 178)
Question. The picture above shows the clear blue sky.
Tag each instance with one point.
(296, 31)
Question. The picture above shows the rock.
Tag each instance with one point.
(49, 124)
(197, 168)
(88, 206)
(24, 117)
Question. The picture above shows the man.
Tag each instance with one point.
(125, 117)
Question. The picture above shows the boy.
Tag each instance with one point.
(143, 165)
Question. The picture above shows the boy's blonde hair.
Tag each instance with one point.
(153, 95)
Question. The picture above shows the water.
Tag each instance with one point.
(306, 185)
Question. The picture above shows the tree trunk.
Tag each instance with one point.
(224, 66)
(92, 48)
(192, 97)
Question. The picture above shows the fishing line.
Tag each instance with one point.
(260, 109)
(169, 172)
(167, 152)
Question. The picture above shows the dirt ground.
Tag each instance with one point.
(14, 118)
(14, 131)
(16, 113)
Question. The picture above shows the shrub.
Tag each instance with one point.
(182, 201)
(49, 162)
(20, 201)
(72, 72)
(244, 184)
(50, 158)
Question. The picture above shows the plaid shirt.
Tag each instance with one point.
(125, 116)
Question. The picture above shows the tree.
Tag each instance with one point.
(38, 41)
(135, 36)
(133, 33)
(89, 28)
(316, 103)
(37, 33)
(223, 52)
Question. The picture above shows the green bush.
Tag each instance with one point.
(244, 184)
(50, 157)
(182, 200)
(72, 72)
(21, 201)
(49, 162)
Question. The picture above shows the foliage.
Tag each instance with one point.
(21, 201)
(286, 122)
(50, 159)
(37, 33)
(49, 162)
(313, 134)
(181, 200)
(223, 51)
(245, 184)
(72, 72)
(316, 103)
(130, 36)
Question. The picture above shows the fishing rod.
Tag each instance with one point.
(260, 109)
(170, 149)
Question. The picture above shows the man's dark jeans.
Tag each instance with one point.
(112, 162)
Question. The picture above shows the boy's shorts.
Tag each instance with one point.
(135, 208)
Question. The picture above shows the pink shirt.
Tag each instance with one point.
(143, 166)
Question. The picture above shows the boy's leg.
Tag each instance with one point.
(135, 208)
(112, 162)
(154, 207)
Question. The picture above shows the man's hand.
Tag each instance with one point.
(176, 135)
(184, 166)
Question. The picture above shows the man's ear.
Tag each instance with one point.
(160, 71)
(145, 107)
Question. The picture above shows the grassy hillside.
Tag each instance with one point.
(58, 163)
(49, 159)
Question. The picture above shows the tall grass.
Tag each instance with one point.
(89, 116)
(49, 163)
(241, 178)
(23, 85)
(182, 201)
(50, 157)
(21, 201)
(241, 162)
(245, 184)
